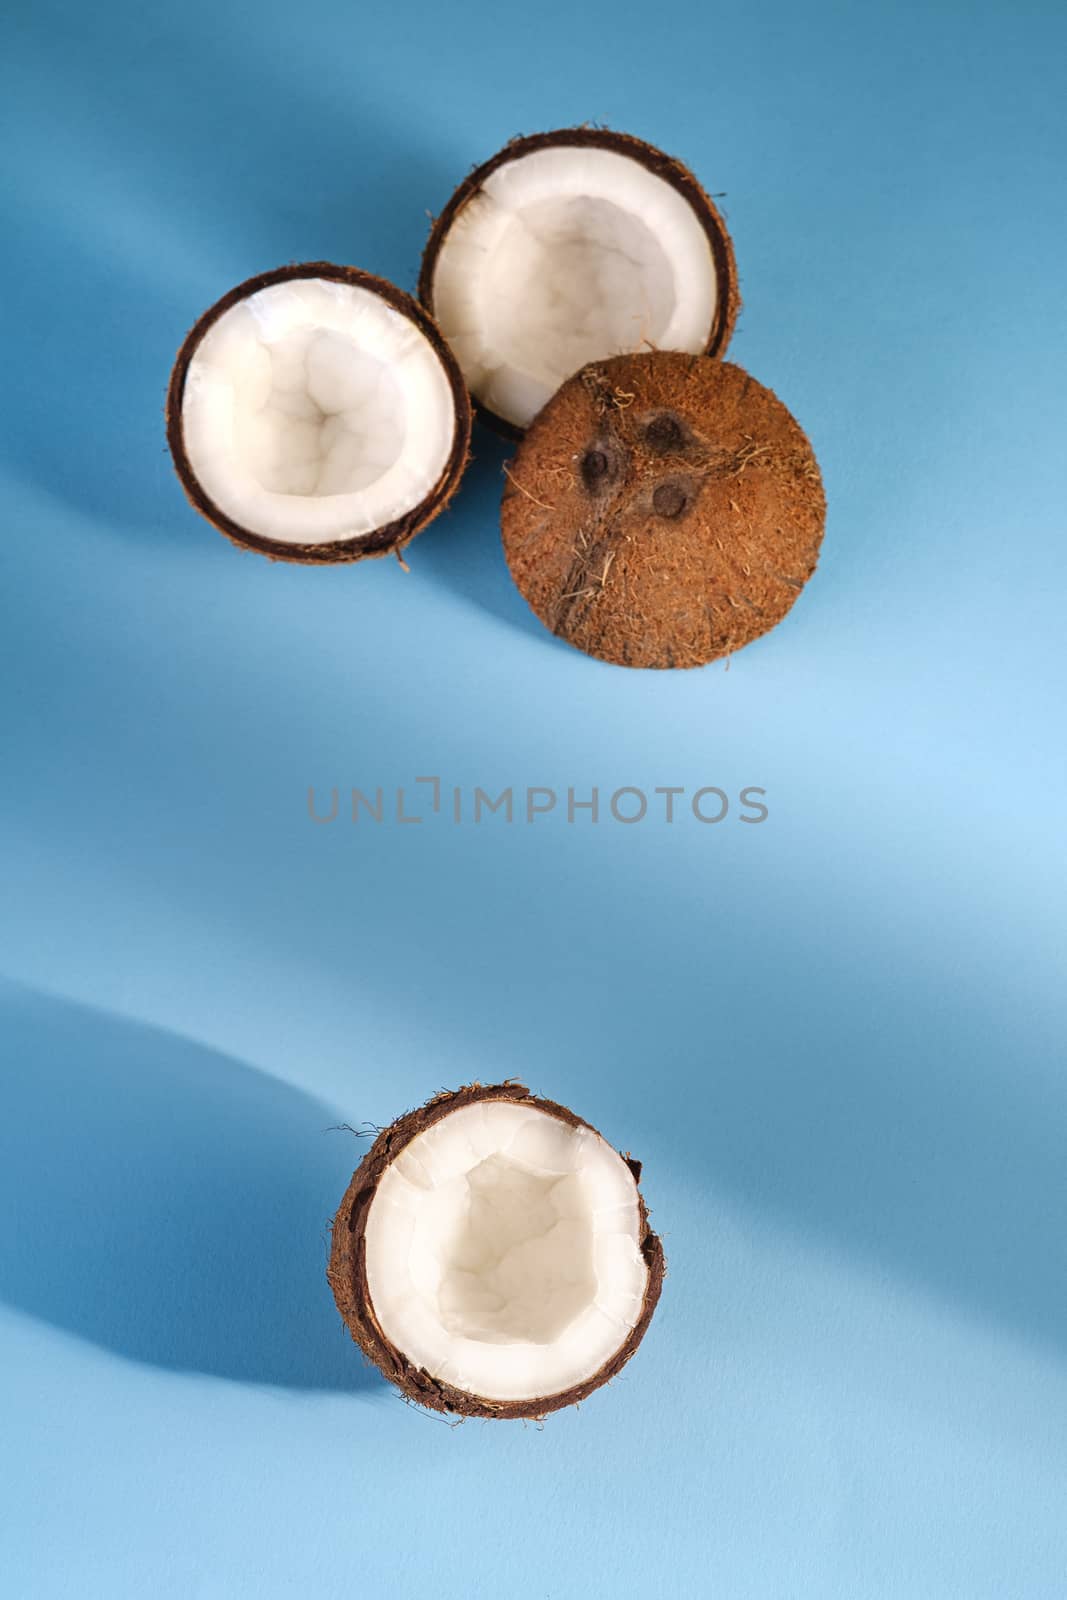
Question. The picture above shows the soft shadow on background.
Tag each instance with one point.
(859, 1025)
(213, 188)
(168, 1203)
(464, 553)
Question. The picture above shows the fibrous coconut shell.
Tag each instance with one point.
(663, 510)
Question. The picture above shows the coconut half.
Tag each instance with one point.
(316, 414)
(567, 248)
(663, 510)
(492, 1255)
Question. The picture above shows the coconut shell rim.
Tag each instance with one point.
(346, 1271)
(669, 168)
(391, 537)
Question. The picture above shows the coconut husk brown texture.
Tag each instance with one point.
(662, 511)
(672, 171)
(347, 1272)
(394, 536)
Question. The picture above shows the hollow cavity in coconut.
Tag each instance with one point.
(492, 1255)
(570, 247)
(316, 414)
(663, 510)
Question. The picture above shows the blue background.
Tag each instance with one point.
(836, 1039)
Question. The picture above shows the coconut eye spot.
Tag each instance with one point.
(669, 500)
(664, 435)
(597, 468)
(314, 411)
(566, 255)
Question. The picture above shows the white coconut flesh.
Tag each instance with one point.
(502, 1252)
(314, 412)
(568, 255)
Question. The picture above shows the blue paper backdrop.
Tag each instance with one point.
(836, 1038)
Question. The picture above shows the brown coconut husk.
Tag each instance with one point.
(347, 1272)
(388, 540)
(663, 166)
(663, 510)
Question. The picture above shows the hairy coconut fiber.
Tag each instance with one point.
(348, 1268)
(663, 510)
